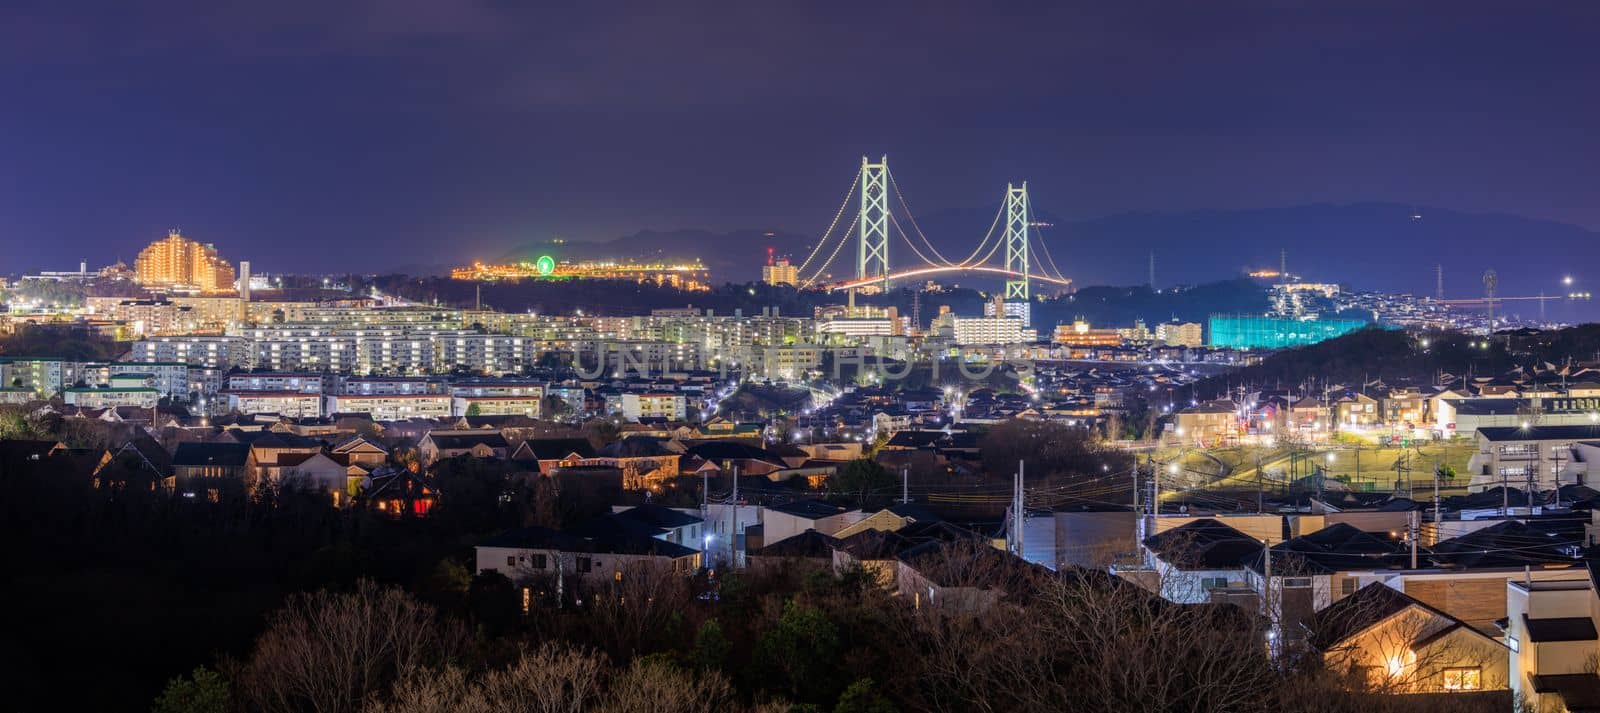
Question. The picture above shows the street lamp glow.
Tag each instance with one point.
(1567, 280)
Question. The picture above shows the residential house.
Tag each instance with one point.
(364, 451)
(210, 470)
(1550, 627)
(646, 463)
(1541, 455)
(1397, 644)
(531, 554)
(1207, 423)
(1190, 562)
(438, 445)
(784, 520)
(1355, 410)
(551, 453)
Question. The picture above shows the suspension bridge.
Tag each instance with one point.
(1014, 235)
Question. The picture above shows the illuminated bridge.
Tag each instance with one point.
(877, 224)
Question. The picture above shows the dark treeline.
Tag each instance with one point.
(1399, 357)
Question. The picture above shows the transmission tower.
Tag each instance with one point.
(872, 257)
(1152, 282)
(1438, 278)
(1017, 240)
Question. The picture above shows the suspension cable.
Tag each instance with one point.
(912, 217)
(968, 262)
(837, 214)
(824, 268)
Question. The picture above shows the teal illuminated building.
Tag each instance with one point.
(1258, 332)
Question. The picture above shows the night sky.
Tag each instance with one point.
(320, 136)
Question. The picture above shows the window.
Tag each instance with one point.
(1214, 582)
(1296, 581)
(538, 561)
(511, 561)
(1347, 587)
(1463, 679)
(584, 564)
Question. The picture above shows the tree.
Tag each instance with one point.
(553, 679)
(204, 691)
(861, 479)
(331, 651)
(654, 685)
(801, 653)
(474, 410)
(863, 697)
(711, 647)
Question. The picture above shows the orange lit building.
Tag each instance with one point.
(180, 263)
(688, 276)
(1078, 334)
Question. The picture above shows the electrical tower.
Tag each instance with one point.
(1152, 269)
(1438, 279)
(872, 257)
(1017, 240)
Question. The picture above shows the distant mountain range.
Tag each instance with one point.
(1383, 246)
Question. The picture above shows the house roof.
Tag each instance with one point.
(1337, 548)
(658, 516)
(808, 509)
(211, 454)
(634, 447)
(1565, 628)
(1579, 692)
(1540, 433)
(463, 441)
(557, 448)
(733, 450)
(1511, 543)
(810, 544)
(616, 542)
(875, 544)
(1360, 611)
(1203, 544)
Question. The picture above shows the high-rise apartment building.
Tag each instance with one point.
(180, 263)
(780, 272)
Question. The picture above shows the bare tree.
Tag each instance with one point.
(330, 651)
(655, 686)
(635, 612)
(553, 679)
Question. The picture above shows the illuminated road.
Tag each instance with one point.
(923, 271)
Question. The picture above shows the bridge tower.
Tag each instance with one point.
(872, 256)
(1017, 240)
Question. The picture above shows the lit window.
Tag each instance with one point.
(1463, 679)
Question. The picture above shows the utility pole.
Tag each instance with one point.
(1138, 514)
(905, 484)
(1016, 509)
(1505, 494)
(733, 529)
(1414, 524)
(705, 517)
(1533, 472)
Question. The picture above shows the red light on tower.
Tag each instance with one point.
(769, 254)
